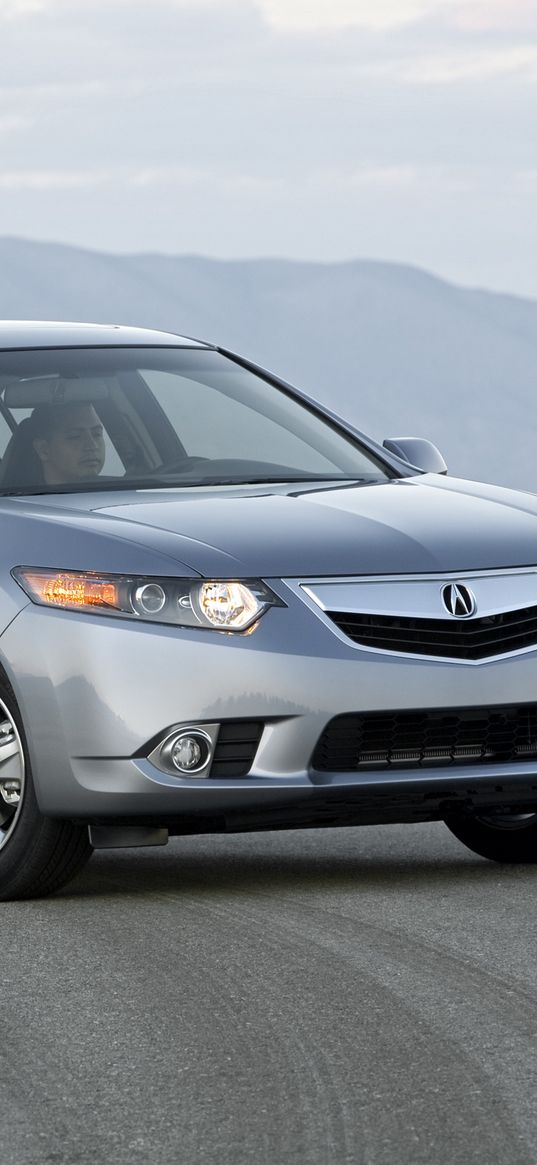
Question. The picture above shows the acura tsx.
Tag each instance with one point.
(223, 608)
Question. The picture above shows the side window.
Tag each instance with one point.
(5, 434)
(113, 466)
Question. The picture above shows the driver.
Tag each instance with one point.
(69, 442)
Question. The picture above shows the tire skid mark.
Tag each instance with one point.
(459, 1004)
(244, 1012)
(429, 947)
(489, 1141)
(231, 1046)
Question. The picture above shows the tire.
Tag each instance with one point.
(37, 854)
(507, 837)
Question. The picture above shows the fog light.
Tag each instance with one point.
(186, 750)
(189, 751)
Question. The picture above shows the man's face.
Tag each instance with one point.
(75, 450)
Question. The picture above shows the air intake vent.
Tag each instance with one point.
(236, 748)
(449, 638)
(443, 737)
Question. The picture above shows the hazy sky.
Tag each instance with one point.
(325, 129)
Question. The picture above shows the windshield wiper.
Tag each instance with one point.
(251, 479)
(174, 482)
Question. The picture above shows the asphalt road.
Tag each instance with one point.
(364, 996)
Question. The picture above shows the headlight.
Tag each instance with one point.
(219, 604)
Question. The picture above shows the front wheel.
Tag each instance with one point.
(37, 854)
(502, 837)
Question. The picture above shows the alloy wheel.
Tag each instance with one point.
(11, 774)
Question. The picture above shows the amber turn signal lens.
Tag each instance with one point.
(78, 591)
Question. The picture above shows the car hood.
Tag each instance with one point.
(424, 524)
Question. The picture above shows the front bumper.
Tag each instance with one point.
(94, 692)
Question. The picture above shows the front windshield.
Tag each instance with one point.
(148, 417)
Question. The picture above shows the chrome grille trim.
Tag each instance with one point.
(504, 597)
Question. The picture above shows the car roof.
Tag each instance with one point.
(63, 334)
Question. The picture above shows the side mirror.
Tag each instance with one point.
(418, 452)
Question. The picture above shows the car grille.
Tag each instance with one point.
(472, 639)
(236, 748)
(454, 736)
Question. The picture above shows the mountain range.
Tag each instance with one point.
(395, 349)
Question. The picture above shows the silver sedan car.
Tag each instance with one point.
(222, 608)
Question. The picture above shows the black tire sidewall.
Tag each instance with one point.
(42, 853)
(18, 848)
(498, 844)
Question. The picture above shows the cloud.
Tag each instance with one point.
(400, 180)
(58, 92)
(490, 15)
(270, 126)
(526, 181)
(181, 177)
(11, 123)
(389, 177)
(383, 15)
(476, 65)
(313, 15)
(54, 179)
(15, 9)
(316, 16)
(319, 176)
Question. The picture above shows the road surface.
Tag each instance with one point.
(365, 996)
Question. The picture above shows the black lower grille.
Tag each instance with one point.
(449, 638)
(454, 736)
(236, 748)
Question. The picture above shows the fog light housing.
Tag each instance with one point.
(186, 750)
(190, 751)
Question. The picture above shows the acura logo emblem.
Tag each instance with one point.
(459, 600)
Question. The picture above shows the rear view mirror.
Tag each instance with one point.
(40, 390)
(418, 452)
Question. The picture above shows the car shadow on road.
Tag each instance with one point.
(232, 865)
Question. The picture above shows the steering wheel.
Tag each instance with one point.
(179, 465)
